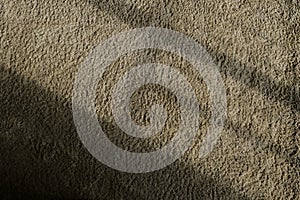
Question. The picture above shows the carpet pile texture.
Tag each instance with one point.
(255, 45)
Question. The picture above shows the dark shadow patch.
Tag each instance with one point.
(42, 157)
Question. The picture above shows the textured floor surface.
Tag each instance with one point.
(255, 45)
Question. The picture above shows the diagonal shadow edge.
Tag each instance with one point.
(40, 111)
(288, 95)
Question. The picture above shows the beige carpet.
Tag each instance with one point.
(255, 45)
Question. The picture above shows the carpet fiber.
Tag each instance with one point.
(255, 45)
